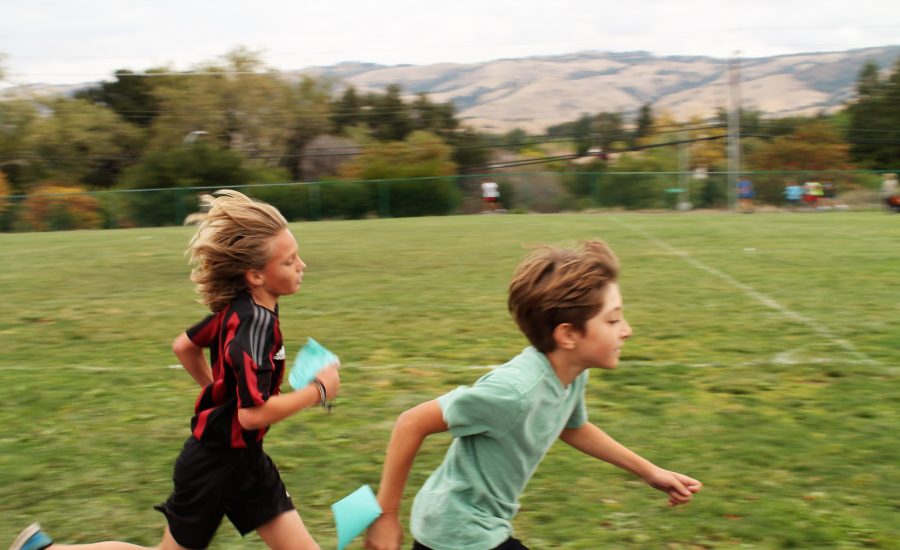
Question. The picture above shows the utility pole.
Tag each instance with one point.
(734, 127)
(684, 164)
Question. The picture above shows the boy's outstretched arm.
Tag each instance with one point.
(411, 429)
(193, 359)
(593, 441)
(278, 407)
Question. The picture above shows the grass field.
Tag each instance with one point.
(764, 362)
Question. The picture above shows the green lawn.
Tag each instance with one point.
(764, 362)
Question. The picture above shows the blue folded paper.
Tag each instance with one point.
(354, 513)
(312, 358)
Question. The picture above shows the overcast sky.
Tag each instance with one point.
(77, 41)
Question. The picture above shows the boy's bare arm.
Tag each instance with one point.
(412, 427)
(278, 407)
(594, 442)
(193, 359)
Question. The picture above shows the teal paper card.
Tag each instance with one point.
(312, 358)
(354, 513)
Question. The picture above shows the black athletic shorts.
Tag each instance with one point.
(509, 544)
(242, 484)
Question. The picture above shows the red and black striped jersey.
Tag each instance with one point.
(246, 353)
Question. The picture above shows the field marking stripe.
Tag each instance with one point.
(755, 294)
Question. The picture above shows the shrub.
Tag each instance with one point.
(345, 199)
(160, 180)
(293, 201)
(57, 207)
(420, 197)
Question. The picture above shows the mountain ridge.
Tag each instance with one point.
(535, 92)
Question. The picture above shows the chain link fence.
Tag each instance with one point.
(60, 208)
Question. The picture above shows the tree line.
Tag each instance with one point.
(234, 121)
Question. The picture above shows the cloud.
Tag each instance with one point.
(52, 41)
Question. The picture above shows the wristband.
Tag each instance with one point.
(323, 395)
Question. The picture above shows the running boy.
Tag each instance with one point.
(244, 259)
(567, 303)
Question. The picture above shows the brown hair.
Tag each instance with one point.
(555, 285)
(235, 237)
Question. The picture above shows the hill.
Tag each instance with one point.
(536, 92)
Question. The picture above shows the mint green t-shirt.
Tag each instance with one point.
(502, 427)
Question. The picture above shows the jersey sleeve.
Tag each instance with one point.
(489, 407)
(579, 414)
(249, 354)
(203, 333)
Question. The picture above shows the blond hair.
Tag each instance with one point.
(235, 237)
(556, 285)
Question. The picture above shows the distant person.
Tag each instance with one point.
(490, 196)
(793, 193)
(745, 195)
(812, 193)
(889, 196)
(245, 259)
(828, 195)
(567, 302)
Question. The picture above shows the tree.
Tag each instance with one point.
(815, 146)
(130, 95)
(438, 118)
(174, 169)
(346, 112)
(58, 207)
(80, 143)
(874, 118)
(607, 129)
(750, 121)
(705, 152)
(515, 139)
(422, 154)
(633, 189)
(4, 194)
(388, 115)
(470, 149)
(419, 162)
(581, 133)
(643, 124)
(236, 100)
(16, 120)
(309, 113)
(245, 107)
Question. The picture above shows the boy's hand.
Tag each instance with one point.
(330, 379)
(385, 533)
(679, 487)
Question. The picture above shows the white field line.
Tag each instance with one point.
(814, 325)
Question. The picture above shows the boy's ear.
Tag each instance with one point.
(565, 335)
(254, 278)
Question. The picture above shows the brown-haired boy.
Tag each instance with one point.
(567, 303)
